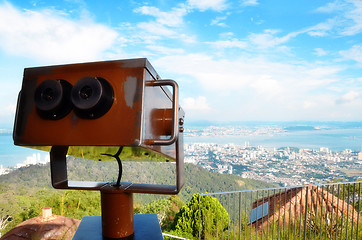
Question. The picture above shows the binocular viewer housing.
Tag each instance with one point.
(90, 97)
(109, 104)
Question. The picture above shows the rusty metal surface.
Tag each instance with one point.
(53, 227)
(138, 118)
(58, 166)
(143, 116)
(160, 128)
(120, 126)
(117, 212)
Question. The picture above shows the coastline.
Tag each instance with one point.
(336, 136)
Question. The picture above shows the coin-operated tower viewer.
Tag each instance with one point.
(96, 110)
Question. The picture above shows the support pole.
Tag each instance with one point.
(117, 212)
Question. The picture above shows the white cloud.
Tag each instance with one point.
(203, 5)
(151, 32)
(257, 88)
(172, 18)
(226, 35)
(320, 52)
(166, 25)
(250, 2)
(355, 18)
(48, 35)
(198, 104)
(260, 74)
(331, 7)
(347, 20)
(308, 104)
(354, 53)
(7, 112)
(233, 43)
(268, 38)
(348, 97)
(156, 29)
(267, 84)
(322, 29)
(219, 22)
(10, 108)
(165, 50)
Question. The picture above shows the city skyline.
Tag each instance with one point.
(234, 60)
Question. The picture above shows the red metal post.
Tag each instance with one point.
(117, 212)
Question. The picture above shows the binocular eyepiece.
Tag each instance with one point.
(52, 99)
(90, 97)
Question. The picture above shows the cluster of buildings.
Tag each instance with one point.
(284, 166)
(35, 158)
(221, 131)
(4, 170)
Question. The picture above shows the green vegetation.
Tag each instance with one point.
(352, 172)
(313, 228)
(105, 153)
(166, 210)
(350, 193)
(25, 191)
(75, 204)
(202, 213)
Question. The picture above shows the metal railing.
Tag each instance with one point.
(326, 211)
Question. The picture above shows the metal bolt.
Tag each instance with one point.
(181, 121)
(181, 129)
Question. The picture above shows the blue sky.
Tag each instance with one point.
(234, 60)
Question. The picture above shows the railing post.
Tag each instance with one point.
(358, 208)
(199, 217)
(239, 215)
(322, 207)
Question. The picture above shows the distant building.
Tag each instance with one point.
(305, 150)
(292, 205)
(360, 156)
(324, 149)
(347, 151)
(230, 169)
(48, 226)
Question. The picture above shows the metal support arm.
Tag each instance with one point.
(58, 167)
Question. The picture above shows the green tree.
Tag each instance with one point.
(203, 213)
(166, 210)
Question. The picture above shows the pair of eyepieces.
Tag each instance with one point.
(90, 98)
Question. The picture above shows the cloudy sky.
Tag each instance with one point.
(234, 60)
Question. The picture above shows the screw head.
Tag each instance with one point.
(181, 121)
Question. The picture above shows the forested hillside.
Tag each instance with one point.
(25, 191)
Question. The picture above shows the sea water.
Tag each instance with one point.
(336, 139)
(11, 155)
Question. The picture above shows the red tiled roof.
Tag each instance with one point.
(40, 228)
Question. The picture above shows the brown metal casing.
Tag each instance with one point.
(120, 126)
(144, 113)
(129, 122)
